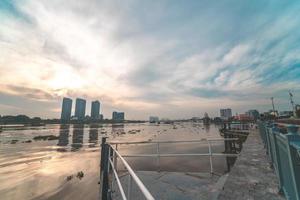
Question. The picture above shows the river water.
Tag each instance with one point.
(39, 169)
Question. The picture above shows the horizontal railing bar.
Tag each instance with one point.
(175, 141)
(136, 179)
(178, 155)
(118, 180)
(286, 125)
(296, 145)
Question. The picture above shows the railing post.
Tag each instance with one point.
(277, 160)
(116, 159)
(129, 187)
(113, 174)
(268, 128)
(158, 156)
(210, 157)
(104, 171)
(293, 136)
(102, 153)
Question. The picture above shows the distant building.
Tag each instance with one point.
(226, 113)
(217, 120)
(243, 117)
(101, 117)
(118, 116)
(66, 109)
(153, 119)
(196, 119)
(286, 114)
(95, 110)
(253, 114)
(80, 108)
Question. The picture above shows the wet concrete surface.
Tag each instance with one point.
(174, 185)
(251, 178)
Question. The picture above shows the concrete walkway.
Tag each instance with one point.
(175, 186)
(251, 177)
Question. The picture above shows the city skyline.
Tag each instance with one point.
(170, 63)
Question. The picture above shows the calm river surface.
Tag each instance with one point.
(39, 169)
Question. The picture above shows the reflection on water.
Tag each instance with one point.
(63, 139)
(38, 170)
(77, 138)
(117, 129)
(93, 134)
(207, 127)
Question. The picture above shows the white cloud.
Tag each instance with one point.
(101, 49)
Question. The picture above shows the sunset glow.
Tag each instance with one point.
(179, 60)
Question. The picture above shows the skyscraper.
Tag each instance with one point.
(95, 110)
(225, 113)
(80, 108)
(66, 109)
(118, 116)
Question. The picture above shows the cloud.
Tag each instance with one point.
(149, 56)
(31, 93)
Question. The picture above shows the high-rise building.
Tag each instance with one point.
(118, 116)
(95, 110)
(253, 114)
(101, 117)
(226, 113)
(66, 109)
(80, 108)
(153, 119)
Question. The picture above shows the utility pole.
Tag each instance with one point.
(272, 99)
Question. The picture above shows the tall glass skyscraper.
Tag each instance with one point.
(66, 109)
(95, 110)
(80, 108)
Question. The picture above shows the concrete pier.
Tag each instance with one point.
(251, 177)
(175, 185)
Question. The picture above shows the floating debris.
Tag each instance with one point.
(46, 137)
(80, 175)
(70, 177)
(14, 141)
(27, 141)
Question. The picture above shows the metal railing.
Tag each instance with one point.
(110, 156)
(284, 153)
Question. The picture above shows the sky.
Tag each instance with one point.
(169, 58)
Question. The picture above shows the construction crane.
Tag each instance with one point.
(292, 101)
(272, 99)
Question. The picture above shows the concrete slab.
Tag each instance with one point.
(251, 176)
(175, 185)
